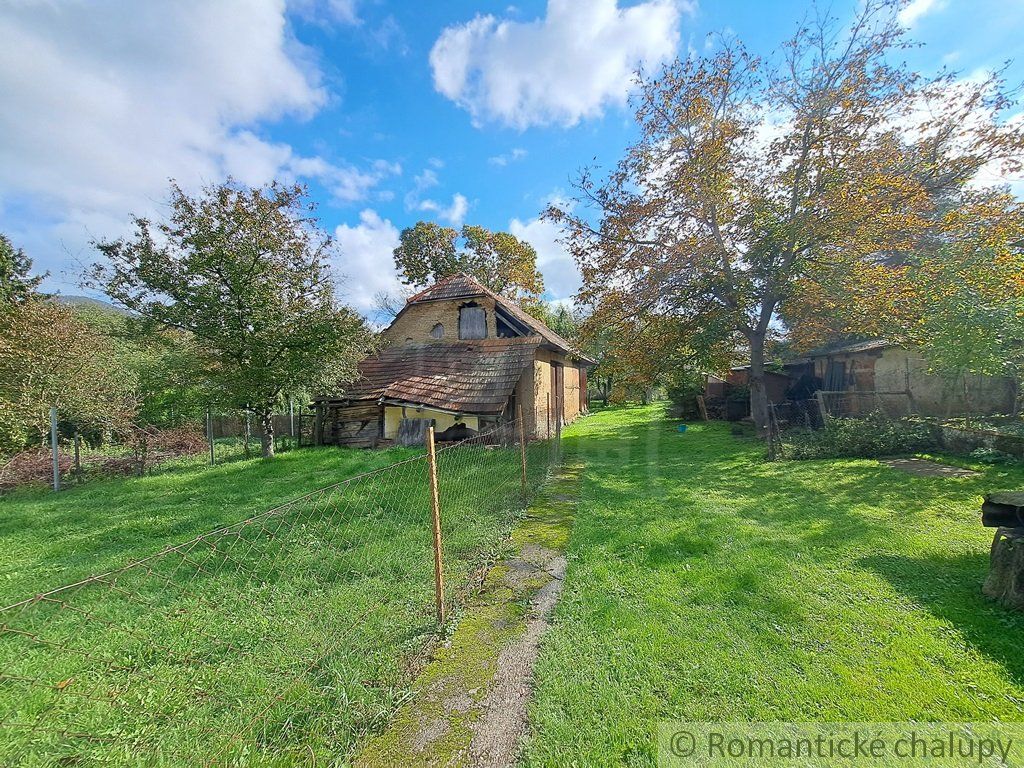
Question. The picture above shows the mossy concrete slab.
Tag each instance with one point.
(468, 706)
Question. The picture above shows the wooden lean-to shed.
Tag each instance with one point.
(463, 358)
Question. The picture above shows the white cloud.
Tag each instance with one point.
(561, 276)
(254, 161)
(344, 11)
(103, 103)
(508, 157)
(572, 64)
(324, 11)
(366, 266)
(454, 213)
(913, 11)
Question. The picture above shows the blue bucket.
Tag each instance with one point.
(682, 427)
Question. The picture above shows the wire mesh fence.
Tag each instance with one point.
(279, 638)
(894, 405)
(808, 415)
(73, 453)
(482, 474)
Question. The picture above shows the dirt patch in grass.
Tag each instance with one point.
(496, 734)
(469, 705)
(926, 468)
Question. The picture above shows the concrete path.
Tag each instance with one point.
(468, 706)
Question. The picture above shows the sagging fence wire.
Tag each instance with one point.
(816, 413)
(282, 636)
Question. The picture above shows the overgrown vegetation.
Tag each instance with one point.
(245, 273)
(992, 456)
(873, 435)
(230, 303)
(50, 357)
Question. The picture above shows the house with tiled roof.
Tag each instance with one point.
(463, 358)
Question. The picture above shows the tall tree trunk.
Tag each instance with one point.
(758, 389)
(267, 438)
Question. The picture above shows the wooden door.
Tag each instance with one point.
(558, 390)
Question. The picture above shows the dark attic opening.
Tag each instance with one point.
(507, 326)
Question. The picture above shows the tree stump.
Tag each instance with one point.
(1005, 582)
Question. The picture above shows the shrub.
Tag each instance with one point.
(144, 449)
(871, 436)
(992, 456)
(683, 397)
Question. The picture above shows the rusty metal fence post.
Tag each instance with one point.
(54, 448)
(78, 457)
(435, 509)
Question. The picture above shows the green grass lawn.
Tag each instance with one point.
(49, 539)
(707, 584)
(275, 642)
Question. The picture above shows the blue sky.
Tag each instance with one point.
(390, 111)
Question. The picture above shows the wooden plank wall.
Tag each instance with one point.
(355, 426)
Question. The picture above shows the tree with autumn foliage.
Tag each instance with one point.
(749, 173)
(958, 299)
(246, 274)
(50, 358)
(507, 265)
(17, 283)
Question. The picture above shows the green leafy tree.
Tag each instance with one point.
(246, 273)
(507, 265)
(166, 364)
(17, 284)
(50, 358)
(558, 317)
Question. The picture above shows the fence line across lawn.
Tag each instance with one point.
(72, 453)
(281, 637)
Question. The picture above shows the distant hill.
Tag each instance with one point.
(88, 301)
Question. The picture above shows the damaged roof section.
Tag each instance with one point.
(466, 376)
(462, 286)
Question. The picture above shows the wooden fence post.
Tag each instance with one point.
(53, 447)
(702, 406)
(821, 407)
(522, 447)
(435, 509)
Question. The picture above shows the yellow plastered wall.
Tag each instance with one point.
(393, 414)
(419, 319)
(534, 393)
